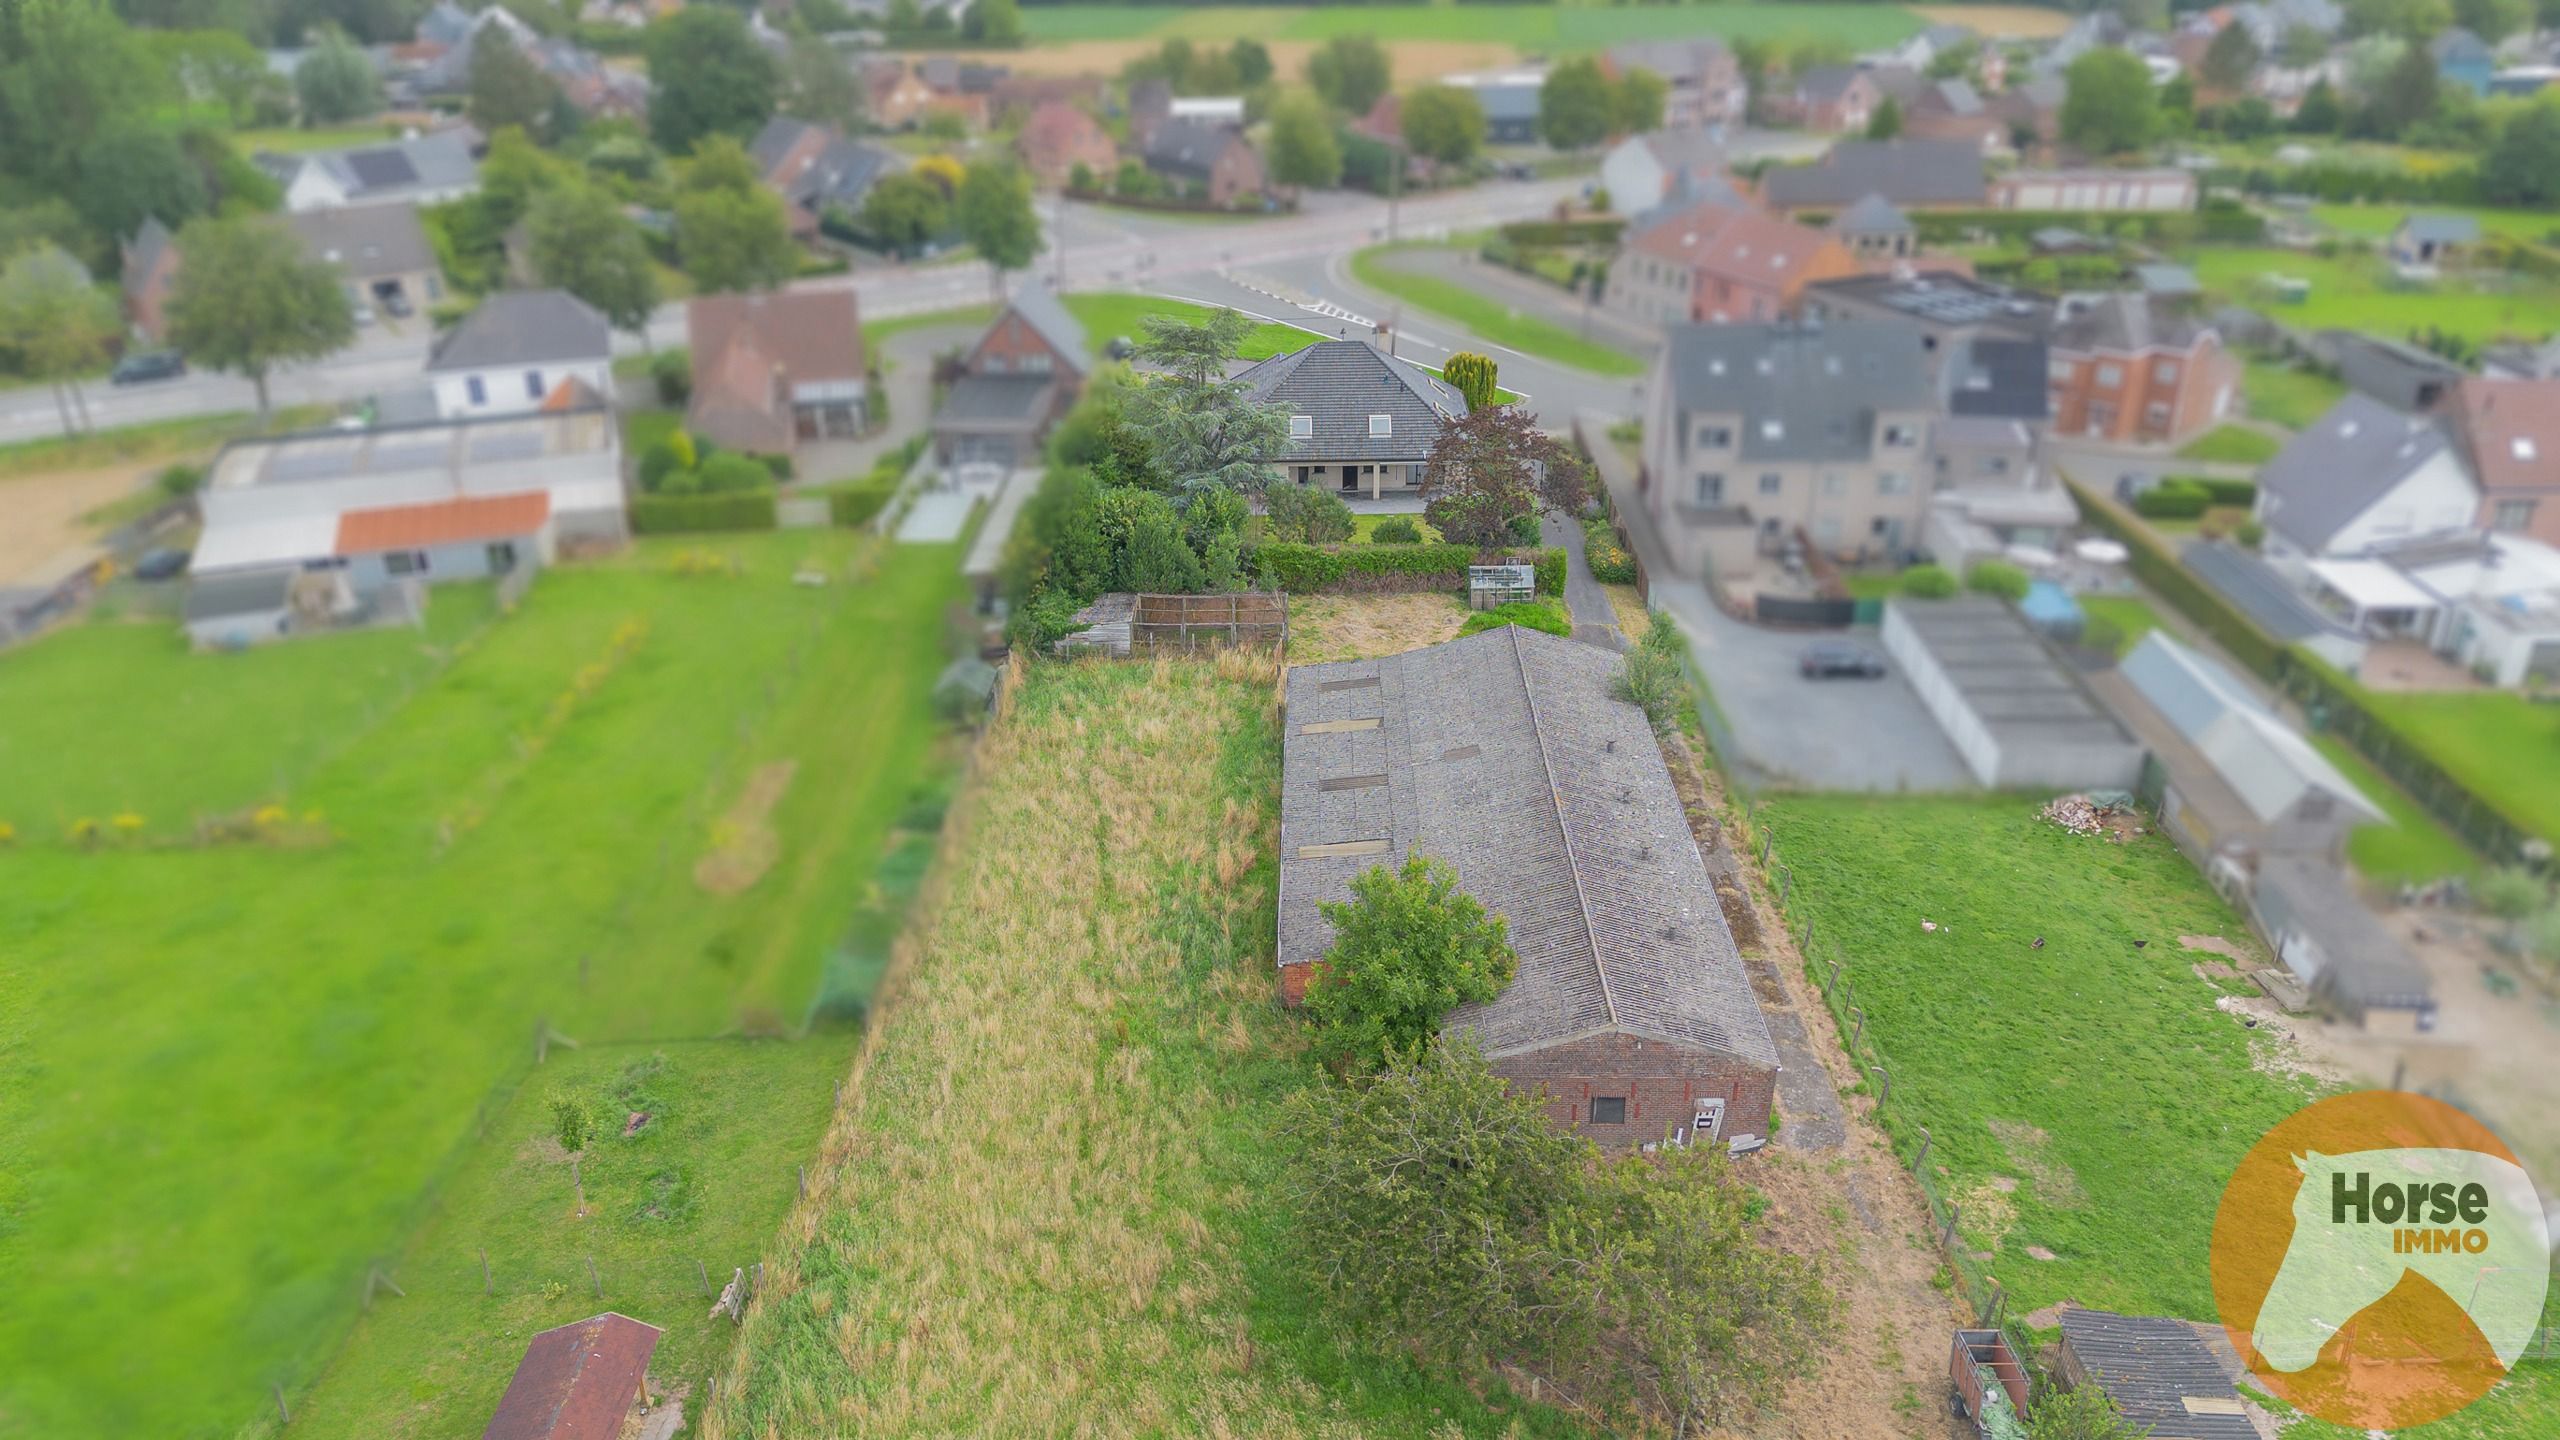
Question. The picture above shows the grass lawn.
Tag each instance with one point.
(2414, 846)
(1872, 584)
(1543, 28)
(288, 139)
(2131, 615)
(2495, 742)
(231, 1078)
(1051, 1203)
(1107, 317)
(644, 428)
(2232, 445)
(2349, 291)
(2378, 221)
(2525, 1407)
(1488, 318)
(1365, 527)
(158, 440)
(2288, 396)
(2085, 1097)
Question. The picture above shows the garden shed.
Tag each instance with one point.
(578, 1381)
(2016, 714)
(2157, 1371)
(1504, 755)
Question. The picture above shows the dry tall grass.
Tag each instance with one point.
(1044, 1206)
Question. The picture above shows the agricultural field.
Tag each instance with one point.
(236, 1072)
(1377, 268)
(2085, 1098)
(1543, 29)
(2352, 291)
(1050, 1203)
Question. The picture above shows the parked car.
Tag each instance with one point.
(1838, 659)
(144, 366)
(161, 565)
(396, 305)
(1120, 348)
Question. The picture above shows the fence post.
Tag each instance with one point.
(485, 1287)
(1947, 1237)
(701, 1276)
(1922, 1158)
(1887, 1077)
(1835, 977)
(1786, 887)
(804, 1182)
(1807, 943)
(1767, 839)
(1857, 1032)
(596, 1279)
(283, 1415)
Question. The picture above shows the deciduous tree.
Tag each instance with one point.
(820, 85)
(1885, 121)
(2231, 59)
(1201, 430)
(1636, 102)
(708, 77)
(2109, 106)
(507, 88)
(1252, 60)
(1493, 465)
(734, 239)
(1350, 72)
(2523, 164)
(335, 81)
(55, 325)
(1474, 376)
(905, 210)
(584, 244)
(1443, 123)
(994, 211)
(132, 171)
(992, 22)
(1408, 947)
(1302, 149)
(1575, 106)
(246, 299)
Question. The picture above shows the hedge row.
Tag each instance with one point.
(859, 502)
(2216, 221)
(2156, 567)
(1391, 569)
(690, 514)
(1603, 230)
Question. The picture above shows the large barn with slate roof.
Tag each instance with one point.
(1504, 755)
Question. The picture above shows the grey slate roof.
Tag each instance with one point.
(2148, 1365)
(1686, 194)
(840, 175)
(1958, 97)
(2441, 228)
(1872, 215)
(2001, 377)
(1821, 83)
(524, 327)
(368, 241)
(440, 161)
(2361, 961)
(1039, 308)
(2167, 280)
(1340, 384)
(1906, 172)
(993, 400)
(1503, 755)
(2121, 320)
(1187, 147)
(2334, 471)
(1821, 386)
(1685, 149)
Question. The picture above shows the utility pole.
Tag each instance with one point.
(1395, 184)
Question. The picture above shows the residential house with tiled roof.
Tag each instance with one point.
(1831, 99)
(1702, 81)
(1362, 422)
(1643, 171)
(2135, 370)
(1057, 138)
(772, 370)
(1208, 161)
(1507, 755)
(1717, 264)
(2509, 432)
(896, 94)
(1014, 383)
(515, 349)
(817, 171)
(1954, 110)
(381, 250)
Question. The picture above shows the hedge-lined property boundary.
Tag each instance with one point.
(693, 514)
(2318, 686)
(1392, 569)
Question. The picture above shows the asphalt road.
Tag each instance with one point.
(1097, 249)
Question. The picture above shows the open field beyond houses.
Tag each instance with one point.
(235, 1076)
(1050, 1205)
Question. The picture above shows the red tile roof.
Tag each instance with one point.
(2512, 429)
(1740, 245)
(443, 522)
(576, 1382)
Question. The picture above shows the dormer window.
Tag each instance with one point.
(1302, 427)
(1381, 426)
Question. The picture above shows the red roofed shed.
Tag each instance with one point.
(577, 1382)
(443, 522)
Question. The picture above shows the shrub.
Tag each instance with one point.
(779, 466)
(1307, 514)
(2175, 498)
(1524, 528)
(684, 514)
(1998, 578)
(2243, 493)
(1397, 530)
(657, 463)
(672, 370)
(1544, 615)
(1928, 582)
(1382, 569)
(1407, 945)
(2249, 533)
(181, 480)
(573, 1124)
(859, 502)
(1610, 563)
(729, 472)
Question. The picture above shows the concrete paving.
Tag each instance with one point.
(1594, 618)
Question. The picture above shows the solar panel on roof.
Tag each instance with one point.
(513, 445)
(378, 169)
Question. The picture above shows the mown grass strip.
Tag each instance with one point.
(1485, 317)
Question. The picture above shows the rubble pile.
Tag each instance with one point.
(2076, 813)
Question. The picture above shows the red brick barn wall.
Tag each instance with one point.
(1662, 1084)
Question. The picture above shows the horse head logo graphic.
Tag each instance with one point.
(2381, 1259)
(2466, 1222)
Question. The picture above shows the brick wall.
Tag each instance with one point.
(1661, 1084)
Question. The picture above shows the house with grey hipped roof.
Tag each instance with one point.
(1014, 383)
(1875, 229)
(1361, 422)
(1758, 436)
(1911, 174)
(1205, 159)
(382, 251)
(1505, 756)
(2018, 715)
(2262, 812)
(518, 349)
(422, 169)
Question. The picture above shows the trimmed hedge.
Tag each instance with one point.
(1602, 230)
(2215, 220)
(860, 502)
(2174, 498)
(2243, 493)
(693, 514)
(1390, 569)
(2154, 566)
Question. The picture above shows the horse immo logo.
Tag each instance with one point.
(2380, 1260)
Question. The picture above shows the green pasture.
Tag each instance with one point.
(2354, 292)
(233, 1077)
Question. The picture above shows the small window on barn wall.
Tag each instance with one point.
(1608, 1109)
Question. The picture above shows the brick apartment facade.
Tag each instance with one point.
(1715, 263)
(2128, 370)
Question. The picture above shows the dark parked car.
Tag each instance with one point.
(1837, 659)
(147, 366)
(395, 304)
(161, 565)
